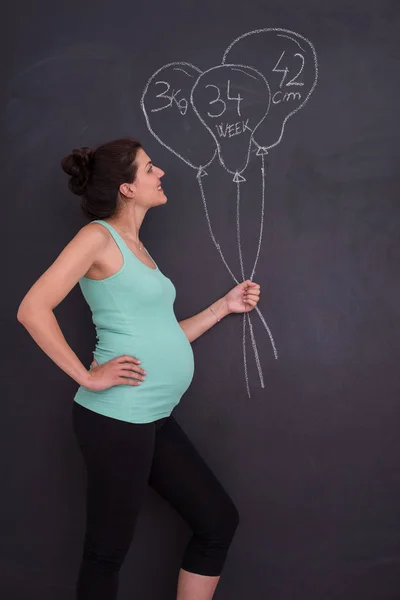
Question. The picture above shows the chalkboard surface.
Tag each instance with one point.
(277, 126)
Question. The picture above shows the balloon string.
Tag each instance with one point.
(262, 216)
(255, 350)
(263, 321)
(246, 377)
(239, 243)
(218, 247)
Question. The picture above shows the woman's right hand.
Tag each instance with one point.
(121, 370)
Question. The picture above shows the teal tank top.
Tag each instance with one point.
(132, 311)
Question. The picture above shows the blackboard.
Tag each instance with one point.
(304, 432)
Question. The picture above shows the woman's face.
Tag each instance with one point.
(147, 185)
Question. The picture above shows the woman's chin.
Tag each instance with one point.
(159, 201)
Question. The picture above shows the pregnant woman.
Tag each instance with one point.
(143, 364)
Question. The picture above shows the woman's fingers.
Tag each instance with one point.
(127, 358)
(252, 297)
(130, 373)
(126, 369)
(252, 290)
(134, 368)
(252, 293)
(250, 283)
(125, 381)
(252, 303)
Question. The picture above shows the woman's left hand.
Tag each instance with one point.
(243, 297)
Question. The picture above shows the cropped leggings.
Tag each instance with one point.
(121, 459)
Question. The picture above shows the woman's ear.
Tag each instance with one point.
(126, 189)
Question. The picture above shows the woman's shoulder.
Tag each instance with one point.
(94, 232)
(88, 240)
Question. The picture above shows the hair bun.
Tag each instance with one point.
(78, 166)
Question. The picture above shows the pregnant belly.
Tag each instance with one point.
(164, 351)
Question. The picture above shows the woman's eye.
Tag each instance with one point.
(150, 169)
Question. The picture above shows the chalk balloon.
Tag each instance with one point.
(289, 63)
(171, 118)
(231, 100)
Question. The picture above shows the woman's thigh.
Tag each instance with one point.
(181, 476)
(118, 457)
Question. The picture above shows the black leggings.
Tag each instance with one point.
(121, 458)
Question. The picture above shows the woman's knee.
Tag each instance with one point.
(223, 523)
(231, 520)
(207, 550)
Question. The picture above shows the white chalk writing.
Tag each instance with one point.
(226, 130)
(182, 104)
(279, 96)
(219, 99)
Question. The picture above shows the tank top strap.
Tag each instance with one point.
(117, 238)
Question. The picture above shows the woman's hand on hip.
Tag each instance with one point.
(122, 370)
(243, 297)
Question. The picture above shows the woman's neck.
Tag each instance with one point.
(129, 222)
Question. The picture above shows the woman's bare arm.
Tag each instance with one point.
(195, 326)
(35, 312)
(243, 297)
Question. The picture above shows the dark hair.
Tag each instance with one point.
(97, 174)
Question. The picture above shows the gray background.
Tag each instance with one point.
(312, 460)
